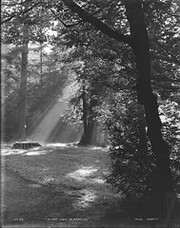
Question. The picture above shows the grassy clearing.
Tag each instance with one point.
(74, 175)
(73, 167)
(75, 187)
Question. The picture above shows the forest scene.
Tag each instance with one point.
(90, 113)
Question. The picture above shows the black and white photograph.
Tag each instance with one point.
(90, 113)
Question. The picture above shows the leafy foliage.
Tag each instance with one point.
(130, 151)
(54, 76)
(170, 113)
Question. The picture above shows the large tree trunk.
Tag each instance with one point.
(162, 181)
(89, 136)
(23, 86)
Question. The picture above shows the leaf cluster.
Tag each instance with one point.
(132, 160)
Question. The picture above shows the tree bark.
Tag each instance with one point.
(162, 182)
(89, 136)
(23, 85)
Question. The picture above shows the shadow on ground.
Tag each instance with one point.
(62, 185)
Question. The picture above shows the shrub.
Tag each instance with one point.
(130, 151)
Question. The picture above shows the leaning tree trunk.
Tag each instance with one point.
(23, 86)
(162, 178)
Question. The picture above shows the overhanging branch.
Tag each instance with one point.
(97, 23)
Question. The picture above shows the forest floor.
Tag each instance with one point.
(59, 185)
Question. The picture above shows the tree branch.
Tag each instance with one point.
(19, 13)
(97, 23)
(172, 88)
(66, 25)
(162, 79)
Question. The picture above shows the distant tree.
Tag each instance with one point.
(23, 85)
(10, 79)
(20, 31)
(55, 76)
(92, 74)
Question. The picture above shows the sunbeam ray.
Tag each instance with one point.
(51, 122)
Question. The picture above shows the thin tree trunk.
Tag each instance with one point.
(23, 85)
(41, 68)
(85, 122)
(162, 178)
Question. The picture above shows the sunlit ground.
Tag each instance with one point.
(76, 172)
(86, 174)
(65, 181)
(88, 196)
(62, 164)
